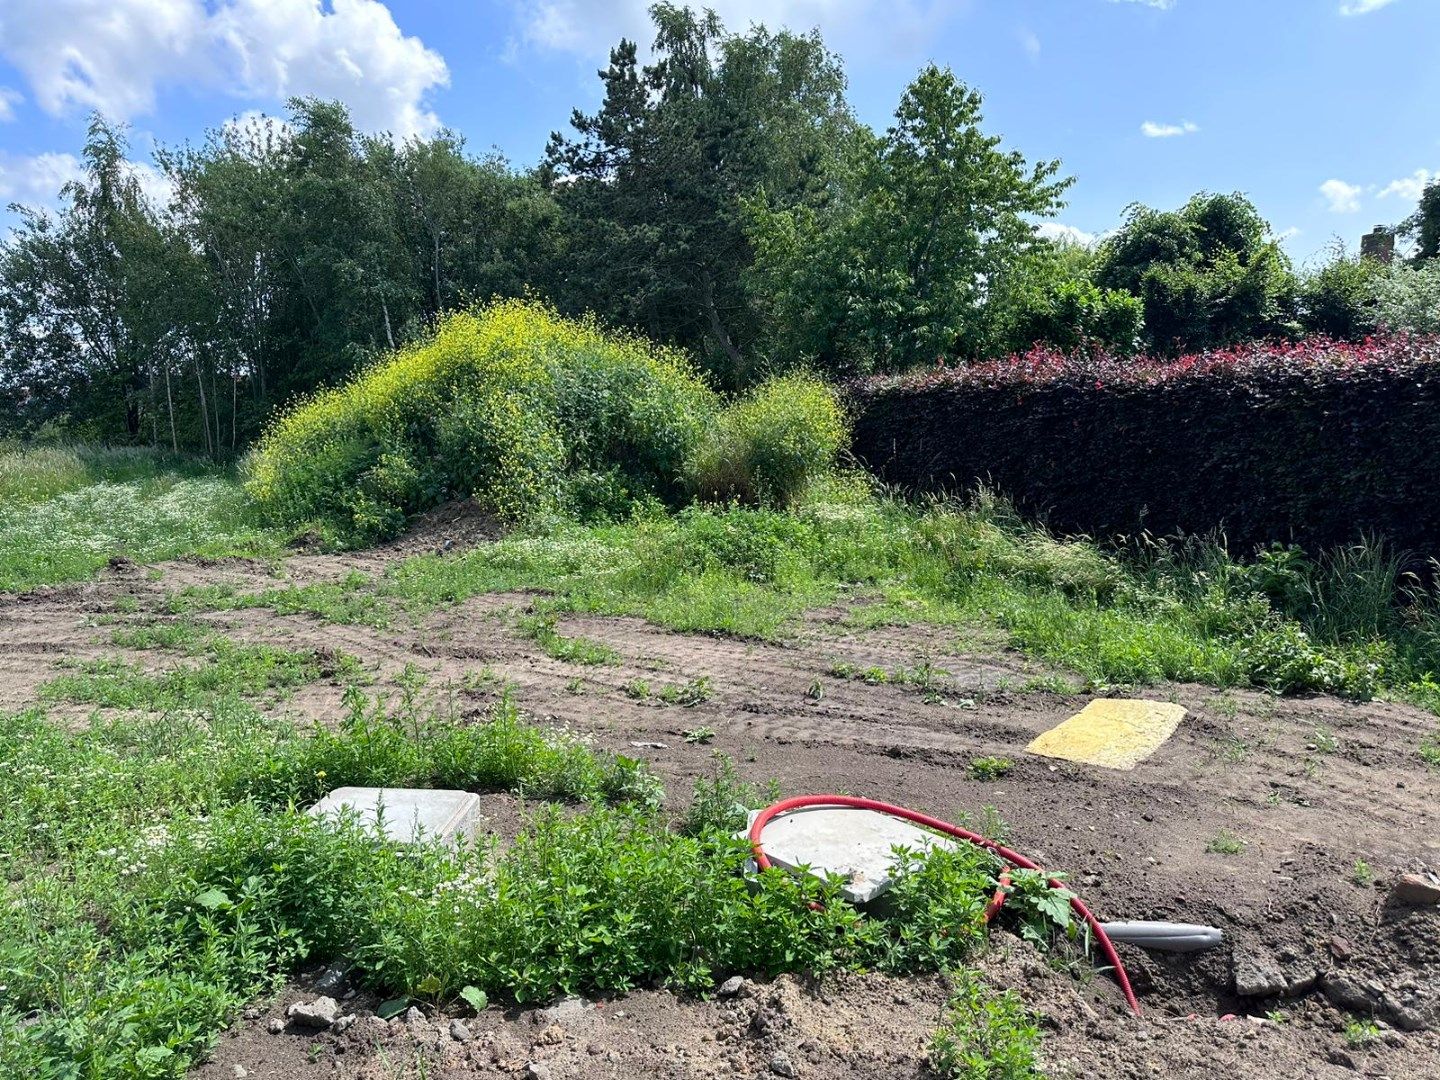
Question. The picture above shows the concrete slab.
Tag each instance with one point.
(839, 843)
(1112, 733)
(407, 814)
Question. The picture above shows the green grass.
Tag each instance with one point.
(65, 512)
(247, 671)
(752, 573)
(540, 628)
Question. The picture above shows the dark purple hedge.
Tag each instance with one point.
(1317, 442)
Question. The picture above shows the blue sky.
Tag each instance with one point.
(1323, 111)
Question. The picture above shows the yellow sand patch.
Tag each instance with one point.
(1117, 734)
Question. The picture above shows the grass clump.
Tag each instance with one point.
(1225, 843)
(540, 628)
(985, 1036)
(768, 447)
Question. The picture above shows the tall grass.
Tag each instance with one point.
(1185, 613)
(66, 511)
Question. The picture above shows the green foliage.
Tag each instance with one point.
(655, 178)
(160, 873)
(1189, 614)
(501, 404)
(1047, 297)
(67, 511)
(990, 768)
(1338, 300)
(892, 274)
(1423, 226)
(577, 650)
(1225, 843)
(985, 1036)
(769, 446)
(1407, 299)
(243, 670)
(721, 804)
(1209, 274)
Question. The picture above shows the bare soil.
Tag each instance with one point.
(1310, 786)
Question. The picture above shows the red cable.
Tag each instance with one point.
(1013, 858)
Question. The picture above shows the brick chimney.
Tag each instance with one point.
(1378, 244)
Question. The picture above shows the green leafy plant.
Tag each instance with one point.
(990, 768)
(985, 1036)
(1225, 843)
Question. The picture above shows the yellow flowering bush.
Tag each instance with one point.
(510, 404)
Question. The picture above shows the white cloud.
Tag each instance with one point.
(1161, 5)
(37, 180)
(1286, 234)
(1030, 43)
(113, 55)
(1342, 198)
(1410, 187)
(591, 29)
(1054, 230)
(8, 100)
(1151, 130)
(1363, 7)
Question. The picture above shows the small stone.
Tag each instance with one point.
(553, 1035)
(414, 1016)
(320, 1013)
(1415, 889)
(241, 1072)
(332, 978)
(536, 1070)
(1258, 976)
(1340, 948)
(460, 1031)
(1345, 993)
(276, 1026)
(344, 1024)
(731, 986)
(781, 1065)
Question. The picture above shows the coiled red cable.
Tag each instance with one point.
(1011, 858)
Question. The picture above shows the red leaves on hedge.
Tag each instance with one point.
(1311, 359)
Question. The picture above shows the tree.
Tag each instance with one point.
(1048, 297)
(653, 185)
(892, 271)
(1423, 226)
(1209, 274)
(1338, 300)
(82, 333)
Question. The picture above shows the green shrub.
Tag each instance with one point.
(505, 404)
(765, 448)
(985, 1036)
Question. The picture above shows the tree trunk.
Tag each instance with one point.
(170, 403)
(717, 327)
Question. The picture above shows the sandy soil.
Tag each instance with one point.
(1134, 842)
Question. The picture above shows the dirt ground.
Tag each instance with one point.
(1309, 785)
